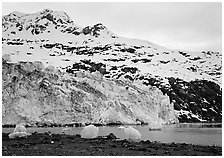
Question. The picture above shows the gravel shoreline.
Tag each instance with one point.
(48, 144)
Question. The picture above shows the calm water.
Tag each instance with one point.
(182, 133)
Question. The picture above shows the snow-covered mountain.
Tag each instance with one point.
(192, 80)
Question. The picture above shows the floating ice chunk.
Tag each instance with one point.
(20, 128)
(155, 126)
(89, 132)
(6, 57)
(19, 132)
(67, 129)
(131, 133)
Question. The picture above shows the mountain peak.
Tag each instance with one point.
(47, 10)
(56, 15)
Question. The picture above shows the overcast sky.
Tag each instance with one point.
(188, 26)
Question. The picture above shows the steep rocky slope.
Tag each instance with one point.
(46, 96)
(192, 80)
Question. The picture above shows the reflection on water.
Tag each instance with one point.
(182, 133)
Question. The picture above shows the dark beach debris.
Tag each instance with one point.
(78, 135)
(47, 144)
(111, 136)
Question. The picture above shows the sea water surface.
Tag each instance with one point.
(178, 133)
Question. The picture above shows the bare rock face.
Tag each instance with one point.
(41, 96)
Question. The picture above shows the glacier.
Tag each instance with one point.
(43, 96)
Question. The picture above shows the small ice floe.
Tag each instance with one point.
(19, 132)
(131, 133)
(67, 128)
(153, 126)
(89, 132)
